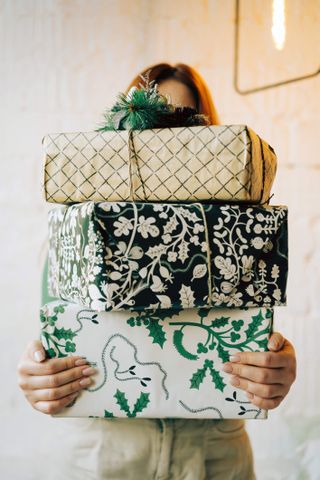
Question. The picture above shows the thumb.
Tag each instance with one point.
(276, 342)
(36, 351)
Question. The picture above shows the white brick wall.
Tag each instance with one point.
(61, 63)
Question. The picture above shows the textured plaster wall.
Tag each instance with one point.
(61, 63)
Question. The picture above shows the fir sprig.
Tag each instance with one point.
(139, 109)
(145, 107)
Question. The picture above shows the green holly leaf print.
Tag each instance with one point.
(58, 309)
(43, 317)
(237, 324)
(203, 312)
(156, 332)
(198, 377)
(223, 354)
(177, 342)
(70, 347)
(234, 336)
(140, 404)
(131, 321)
(122, 401)
(220, 322)
(217, 379)
(208, 363)
(254, 325)
(201, 348)
(108, 414)
(52, 320)
(51, 353)
(62, 333)
(269, 313)
(263, 343)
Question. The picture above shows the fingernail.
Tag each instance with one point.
(227, 368)
(235, 381)
(85, 381)
(39, 355)
(249, 395)
(274, 345)
(89, 371)
(234, 358)
(80, 361)
(276, 341)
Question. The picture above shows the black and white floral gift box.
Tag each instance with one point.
(117, 256)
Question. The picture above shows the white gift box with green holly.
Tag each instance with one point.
(161, 364)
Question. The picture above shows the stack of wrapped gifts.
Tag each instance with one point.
(164, 263)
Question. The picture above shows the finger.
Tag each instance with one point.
(266, 404)
(35, 351)
(261, 359)
(276, 342)
(34, 382)
(55, 406)
(259, 389)
(51, 394)
(255, 374)
(50, 366)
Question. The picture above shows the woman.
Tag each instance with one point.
(161, 449)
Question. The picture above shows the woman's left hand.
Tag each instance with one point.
(266, 377)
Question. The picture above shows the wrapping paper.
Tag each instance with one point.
(157, 364)
(115, 256)
(217, 162)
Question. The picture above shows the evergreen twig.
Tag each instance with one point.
(145, 107)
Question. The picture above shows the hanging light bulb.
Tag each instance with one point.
(278, 23)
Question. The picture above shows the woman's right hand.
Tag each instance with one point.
(51, 384)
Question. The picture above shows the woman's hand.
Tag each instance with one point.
(266, 377)
(51, 384)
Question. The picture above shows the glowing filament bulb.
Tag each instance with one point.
(278, 23)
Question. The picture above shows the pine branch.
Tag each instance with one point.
(145, 107)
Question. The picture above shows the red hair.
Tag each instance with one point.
(188, 76)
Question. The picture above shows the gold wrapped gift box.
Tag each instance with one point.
(202, 163)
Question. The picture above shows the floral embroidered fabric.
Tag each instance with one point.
(123, 255)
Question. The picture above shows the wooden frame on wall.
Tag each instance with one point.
(236, 66)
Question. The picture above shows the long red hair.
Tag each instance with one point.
(190, 77)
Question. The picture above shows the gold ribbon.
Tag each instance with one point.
(208, 253)
(59, 248)
(134, 165)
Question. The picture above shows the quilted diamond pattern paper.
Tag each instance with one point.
(115, 256)
(157, 364)
(224, 163)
